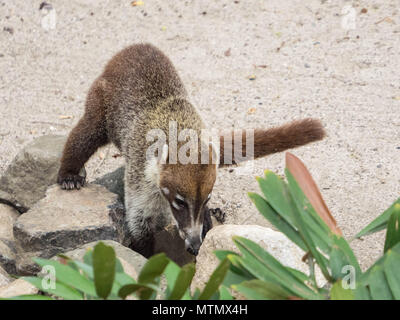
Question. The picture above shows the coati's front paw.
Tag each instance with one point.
(71, 181)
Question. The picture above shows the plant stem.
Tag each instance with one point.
(312, 271)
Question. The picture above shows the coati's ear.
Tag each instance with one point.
(164, 155)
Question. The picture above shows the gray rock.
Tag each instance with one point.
(10, 200)
(4, 278)
(24, 264)
(34, 169)
(16, 288)
(8, 216)
(8, 256)
(114, 182)
(64, 220)
(131, 260)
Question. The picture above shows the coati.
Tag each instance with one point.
(140, 90)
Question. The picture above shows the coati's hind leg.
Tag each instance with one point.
(89, 134)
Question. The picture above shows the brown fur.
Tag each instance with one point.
(89, 134)
(197, 188)
(268, 141)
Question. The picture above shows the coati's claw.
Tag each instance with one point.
(71, 181)
(218, 214)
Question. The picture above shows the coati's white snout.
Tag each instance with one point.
(192, 234)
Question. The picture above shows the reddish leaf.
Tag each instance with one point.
(310, 190)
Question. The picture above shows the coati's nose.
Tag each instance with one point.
(193, 246)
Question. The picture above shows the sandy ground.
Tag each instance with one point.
(305, 62)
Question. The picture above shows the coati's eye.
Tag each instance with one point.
(179, 202)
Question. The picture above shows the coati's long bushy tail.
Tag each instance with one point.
(268, 141)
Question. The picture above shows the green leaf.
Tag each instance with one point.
(341, 255)
(196, 294)
(28, 297)
(257, 270)
(88, 257)
(118, 266)
(122, 279)
(304, 224)
(304, 206)
(58, 289)
(285, 201)
(222, 254)
(262, 290)
(171, 273)
(153, 268)
(391, 269)
(302, 277)
(234, 278)
(104, 269)
(379, 223)
(224, 293)
(216, 278)
(87, 270)
(276, 219)
(265, 267)
(373, 285)
(378, 285)
(182, 282)
(68, 261)
(393, 228)
(142, 290)
(236, 267)
(361, 292)
(276, 193)
(282, 201)
(340, 293)
(69, 276)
